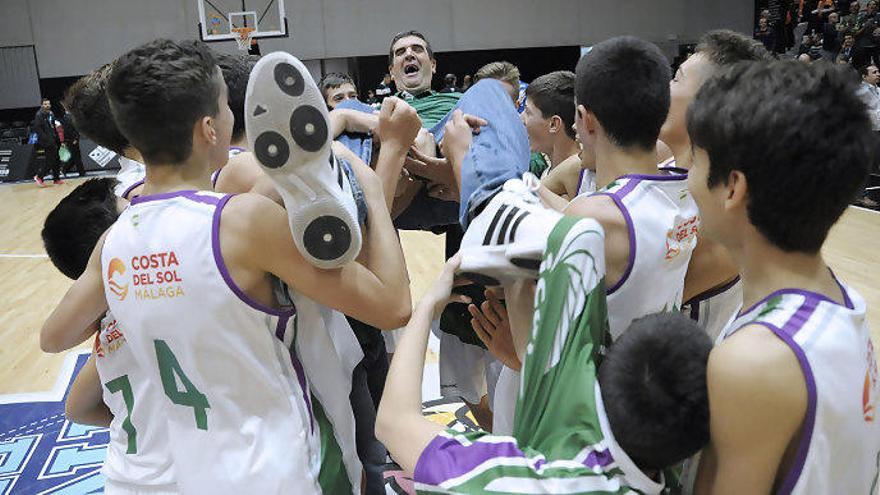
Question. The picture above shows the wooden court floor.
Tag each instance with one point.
(30, 286)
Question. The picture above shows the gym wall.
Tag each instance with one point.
(73, 37)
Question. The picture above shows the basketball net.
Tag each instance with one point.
(244, 37)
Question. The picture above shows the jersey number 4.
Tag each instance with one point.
(170, 372)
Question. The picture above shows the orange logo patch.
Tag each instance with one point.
(114, 276)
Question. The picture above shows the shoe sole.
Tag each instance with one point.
(288, 129)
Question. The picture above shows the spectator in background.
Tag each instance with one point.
(450, 84)
(764, 34)
(336, 88)
(48, 141)
(71, 139)
(866, 45)
(780, 19)
(849, 20)
(371, 97)
(466, 82)
(806, 44)
(846, 49)
(384, 89)
(831, 36)
(870, 94)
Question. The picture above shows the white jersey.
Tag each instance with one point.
(587, 182)
(662, 219)
(137, 455)
(840, 438)
(131, 173)
(713, 310)
(238, 408)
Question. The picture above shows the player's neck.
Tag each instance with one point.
(563, 149)
(241, 143)
(765, 269)
(191, 174)
(682, 153)
(613, 162)
(132, 154)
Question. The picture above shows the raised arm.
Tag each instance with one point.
(75, 318)
(350, 120)
(255, 238)
(399, 125)
(399, 422)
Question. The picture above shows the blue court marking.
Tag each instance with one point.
(43, 453)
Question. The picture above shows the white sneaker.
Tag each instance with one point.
(288, 129)
(506, 241)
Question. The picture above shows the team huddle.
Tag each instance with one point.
(634, 300)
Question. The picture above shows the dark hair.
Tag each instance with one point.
(236, 71)
(553, 94)
(450, 79)
(87, 103)
(45, 99)
(863, 69)
(73, 227)
(624, 81)
(333, 80)
(653, 383)
(397, 37)
(158, 92)
(724, 47)
(799, 134)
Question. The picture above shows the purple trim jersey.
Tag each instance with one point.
(715, 309)
(662, 220)
(235, 401)
(840, 438)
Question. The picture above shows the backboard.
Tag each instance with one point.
(217, 18)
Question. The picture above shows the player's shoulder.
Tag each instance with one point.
(754, 364)
(247, 212)
(600, 207)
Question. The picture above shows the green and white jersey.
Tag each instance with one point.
(562, 440)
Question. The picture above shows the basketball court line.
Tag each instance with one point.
(5, 255)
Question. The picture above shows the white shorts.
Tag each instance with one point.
(504, 402)
(467, 371)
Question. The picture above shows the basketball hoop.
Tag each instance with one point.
(244, 37)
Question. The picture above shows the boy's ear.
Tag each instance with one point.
(737, 190)
(205, 130)
(556, 124)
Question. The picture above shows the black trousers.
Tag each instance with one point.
(52, 163)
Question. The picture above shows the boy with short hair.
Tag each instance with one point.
(88, 105)
(184, 259)
(712, 287)
(241, 173)
(793, 384)
(549, 120)
(337, 87)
